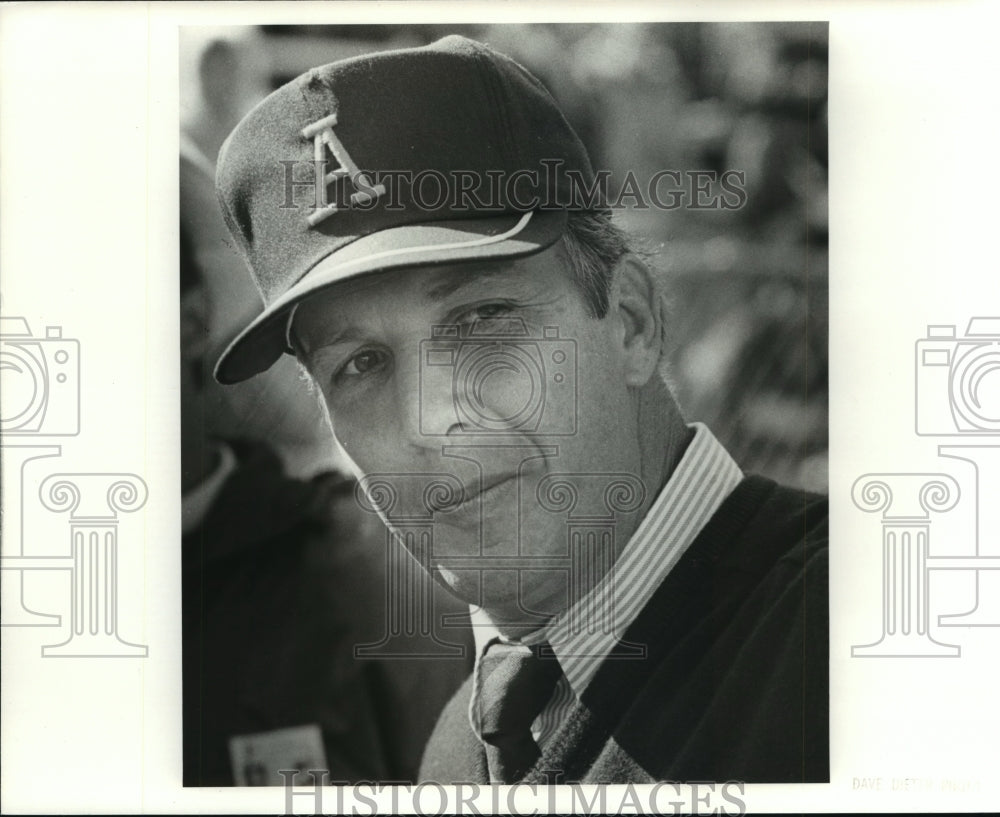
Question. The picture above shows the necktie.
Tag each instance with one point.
(515, 685)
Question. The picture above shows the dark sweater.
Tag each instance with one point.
(735, 685)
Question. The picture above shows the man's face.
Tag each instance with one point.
(493, 408)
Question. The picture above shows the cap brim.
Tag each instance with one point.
(258, 346)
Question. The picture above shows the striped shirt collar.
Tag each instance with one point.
(703, 479)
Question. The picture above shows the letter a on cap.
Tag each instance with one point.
(323, 137)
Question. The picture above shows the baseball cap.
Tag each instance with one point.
(446, 153)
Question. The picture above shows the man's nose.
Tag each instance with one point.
(426, 395)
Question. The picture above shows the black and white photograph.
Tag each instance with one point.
(432, 407)
(506, 271)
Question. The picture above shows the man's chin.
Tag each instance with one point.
(504, 599)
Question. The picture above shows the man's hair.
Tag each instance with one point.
(594, 245)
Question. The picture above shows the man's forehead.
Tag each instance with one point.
(434, 284)
(329, 313)
(445, 281)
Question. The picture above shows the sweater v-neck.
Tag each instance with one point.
(680, 603)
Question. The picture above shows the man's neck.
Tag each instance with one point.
(485, 624)
(663, 437)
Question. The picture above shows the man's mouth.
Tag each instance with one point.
(479, 492)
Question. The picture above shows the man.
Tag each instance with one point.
(489, 354)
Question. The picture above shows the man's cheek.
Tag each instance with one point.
(363, 442)
(356, 452)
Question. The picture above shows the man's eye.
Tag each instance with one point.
(363, 363)
(485, 311)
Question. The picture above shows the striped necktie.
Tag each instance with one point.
(516, 683)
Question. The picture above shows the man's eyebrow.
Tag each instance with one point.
(344, 335)
(451, 281)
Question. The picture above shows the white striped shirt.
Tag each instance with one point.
(705, 476)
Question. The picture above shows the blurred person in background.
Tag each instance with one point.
(267, 630)
(283, 574)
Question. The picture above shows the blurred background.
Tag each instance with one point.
(749, 285)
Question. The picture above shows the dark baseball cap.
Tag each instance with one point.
(447, 153)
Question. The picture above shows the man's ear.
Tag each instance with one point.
(640, 311)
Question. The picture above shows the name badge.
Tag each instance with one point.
(258, 758)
